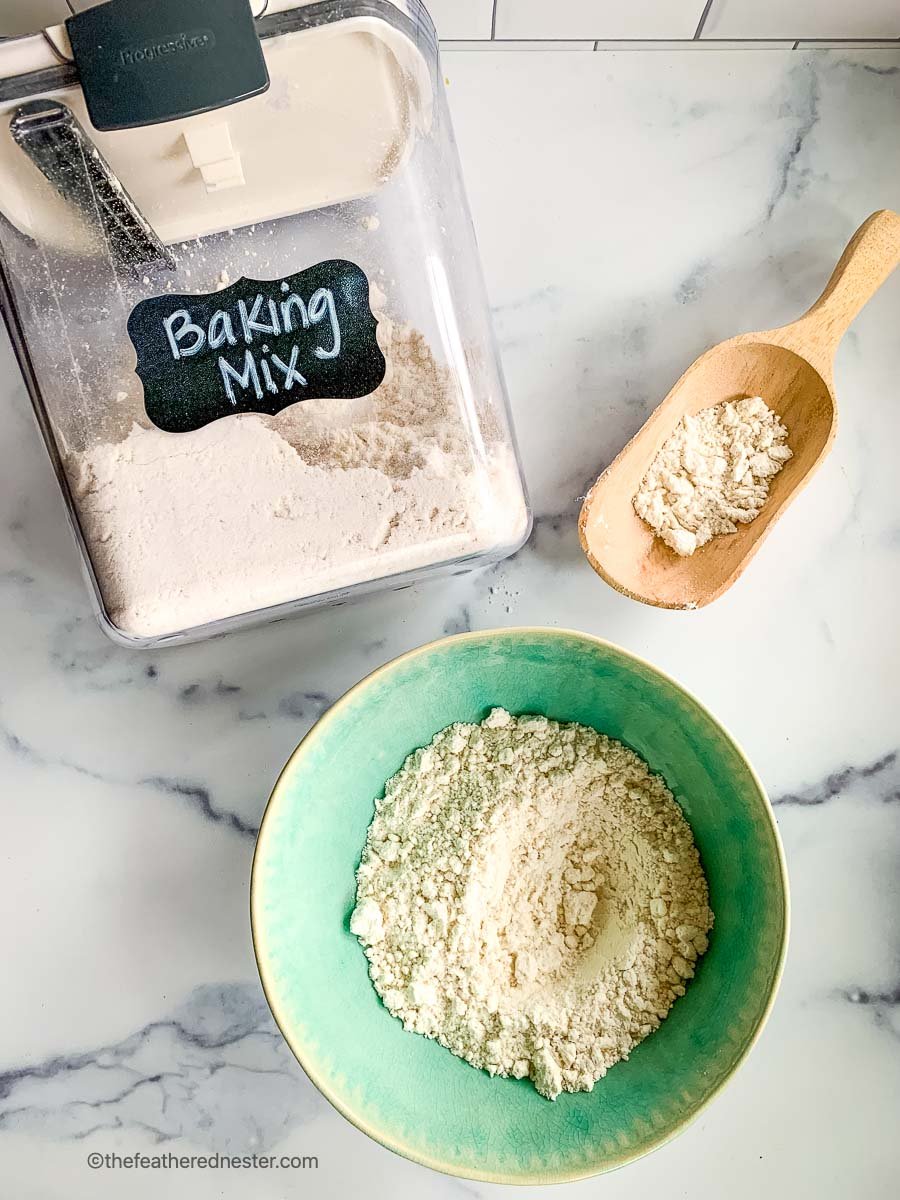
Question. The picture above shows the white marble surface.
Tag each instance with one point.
(631, 209)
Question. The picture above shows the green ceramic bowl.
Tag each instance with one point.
(408, 1092)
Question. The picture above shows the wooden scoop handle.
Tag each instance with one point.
(871, 255)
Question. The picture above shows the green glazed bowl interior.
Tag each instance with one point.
(411, 1094)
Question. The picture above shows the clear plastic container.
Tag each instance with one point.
(194, 307)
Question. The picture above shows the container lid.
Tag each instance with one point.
(350, 87)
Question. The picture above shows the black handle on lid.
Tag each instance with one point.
(142, 62)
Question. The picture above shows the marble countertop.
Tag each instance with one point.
(632, 208)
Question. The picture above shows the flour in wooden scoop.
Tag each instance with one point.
(713, 473)
(530, 896)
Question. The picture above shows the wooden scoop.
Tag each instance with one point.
(792, 369)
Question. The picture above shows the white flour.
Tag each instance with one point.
(251, 511)
(530, 895)
(713, 473)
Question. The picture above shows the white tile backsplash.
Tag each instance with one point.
(598, 19)
(578, 24)
(461, 19)
(804, 19)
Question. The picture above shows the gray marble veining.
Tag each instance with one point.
(216, 1070)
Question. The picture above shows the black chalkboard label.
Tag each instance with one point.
(256, 346)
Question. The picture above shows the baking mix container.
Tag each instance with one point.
(240, 276)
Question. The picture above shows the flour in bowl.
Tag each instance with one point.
(713, 473)
(530, 896)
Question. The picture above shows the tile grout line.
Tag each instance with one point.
(703, 19)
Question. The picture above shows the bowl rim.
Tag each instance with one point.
(385, 1137)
